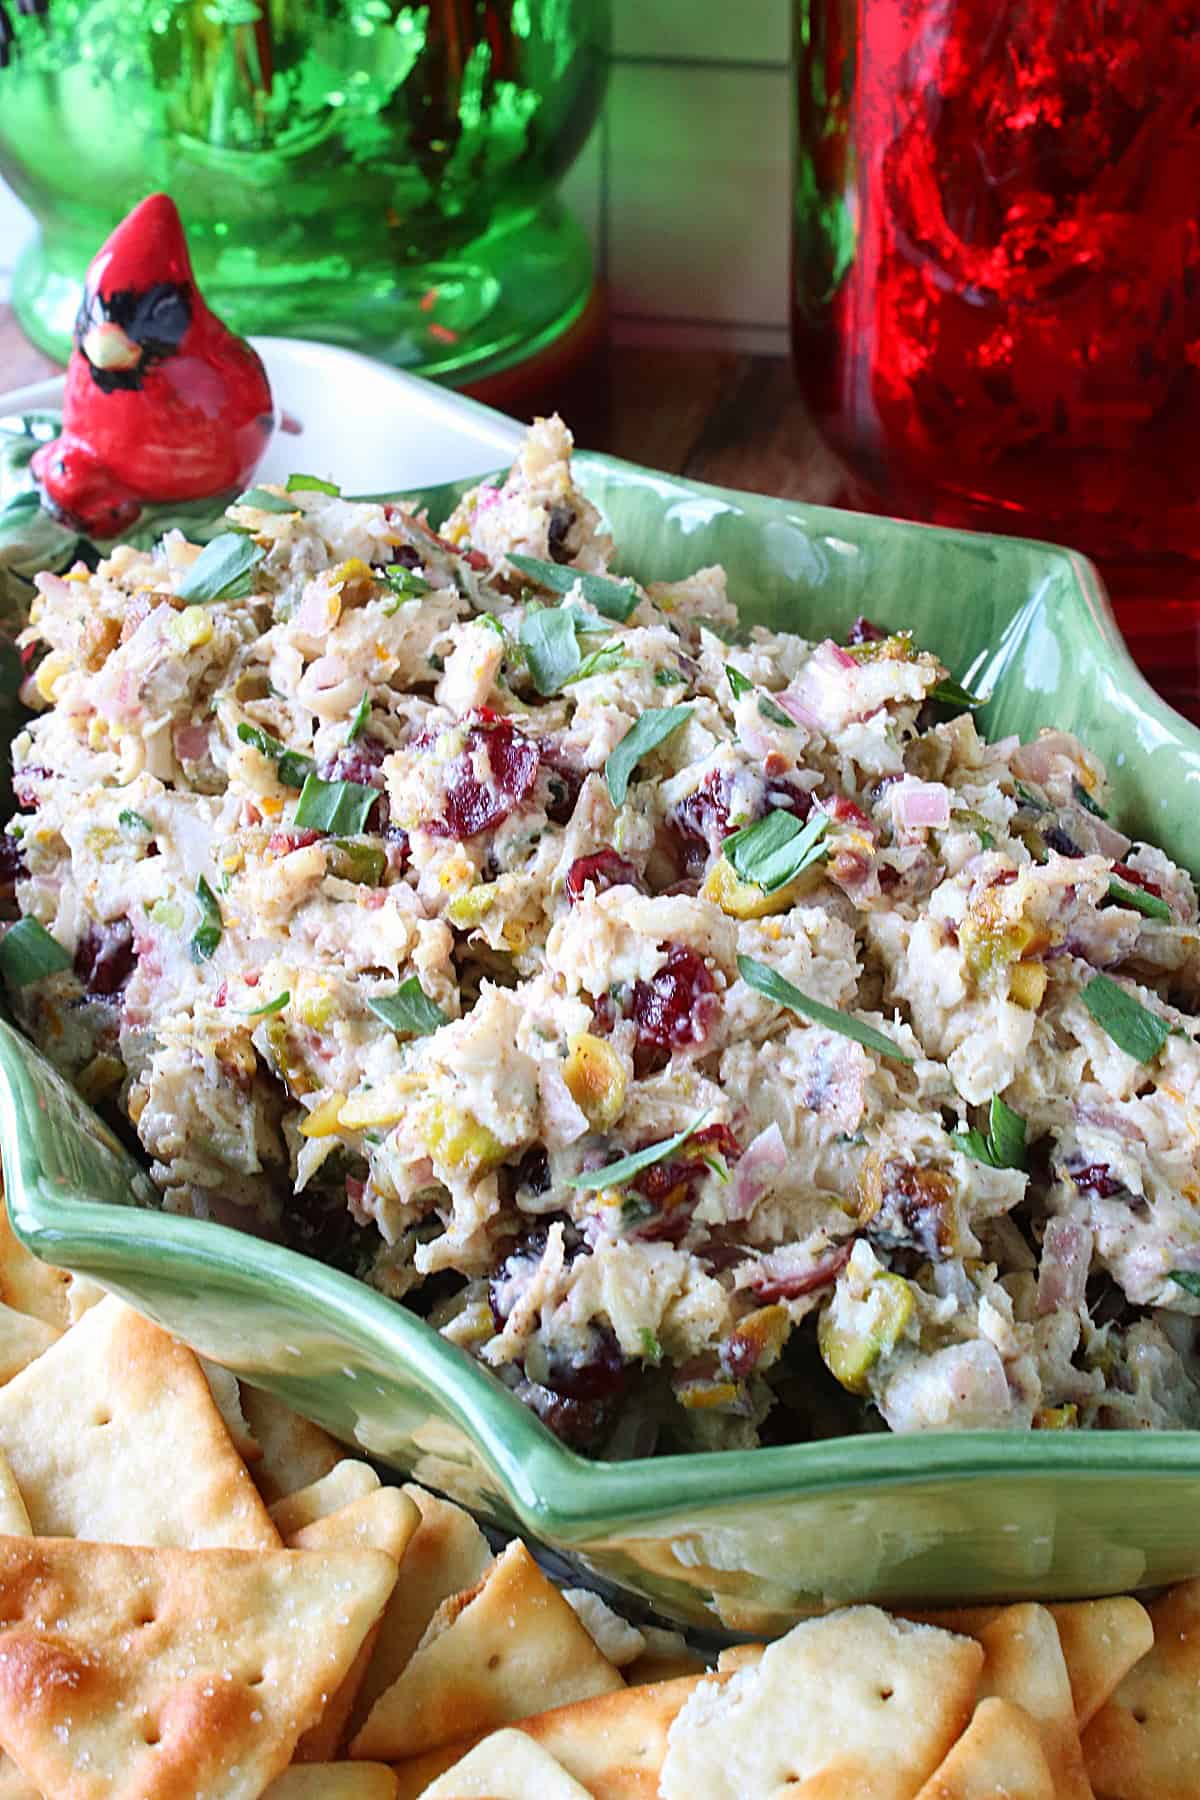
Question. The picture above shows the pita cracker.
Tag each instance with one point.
(855, 1689)
(1024, 1664)
(1144, 1744)
(506, 1766)
(447, 1554)
(488, 1657)
(346, 1482)
(14, 1520)
(613, 1745)
(223, 1386)
(22, 1338)
(154, 1673)
(382, 1520)
(740, 1656)
(113, 1435)
(28, 1285)
(665, 1658)
(613, 1636)
(293, 1452)
(14, 1784)
(1101, 1641)
(998, 1757)
(333, 1781)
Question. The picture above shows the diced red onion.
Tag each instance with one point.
(923, 803)
(1066, 1260)
(765, 1156)
(191, 742)
(1109, 842)
(797, 703)
(837, 655)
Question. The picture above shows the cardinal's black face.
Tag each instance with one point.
(123, 336)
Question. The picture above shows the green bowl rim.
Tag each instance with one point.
(556, 1492)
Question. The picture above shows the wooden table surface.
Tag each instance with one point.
(714, 415)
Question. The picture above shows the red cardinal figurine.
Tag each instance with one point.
(163, 402)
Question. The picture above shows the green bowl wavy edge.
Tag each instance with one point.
(490, 1451)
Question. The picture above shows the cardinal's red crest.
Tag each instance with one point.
(163, 402)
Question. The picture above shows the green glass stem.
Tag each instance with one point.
(381, 176)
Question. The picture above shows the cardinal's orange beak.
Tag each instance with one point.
(107, 347)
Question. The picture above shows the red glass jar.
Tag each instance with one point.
(997, 276)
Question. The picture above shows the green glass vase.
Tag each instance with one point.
(376, 175)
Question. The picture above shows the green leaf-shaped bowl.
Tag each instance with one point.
(746, 1541)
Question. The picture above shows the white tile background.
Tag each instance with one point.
(683, 185)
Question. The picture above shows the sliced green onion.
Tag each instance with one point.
(133, 821)
(651, 730)
(207, 934)
(362, 713)
(292, 767)
(409, 1009)
(405, 585)
(953, 693)
(1188, 1281)
(1004, 1145)
(264, 500)
(777, 988)
(222, 570)
(739, 684)
(339, 807)
(599, 662)
(649, 1347)
(28, 953)
(1152, 905)
(769, 710)
(267, 1008)
(551, 647)
(1132, 1027)
(1085, 800)
(669, 678)
(615, 599)
(628, 1166)
(776, 849)
(312, 484)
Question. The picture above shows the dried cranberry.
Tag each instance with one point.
(864, 632)
(605, 869)
(1098, 1179)
(471, 805)
(565, 779)
(105, 958)
(595, 1372)
(282, 843)
(560, 522)
(701, 820)
(770, 1288)
(843, 811)
(719, 1138)
(405, 557)
(604, 1014)
(577, 1423)
(677, 1007)
(12, 860)
(533, 1171)
(740, 1355)
(1131, 878)
(360, 761)
(782, 795)
(1055, 838)
(398, 853)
